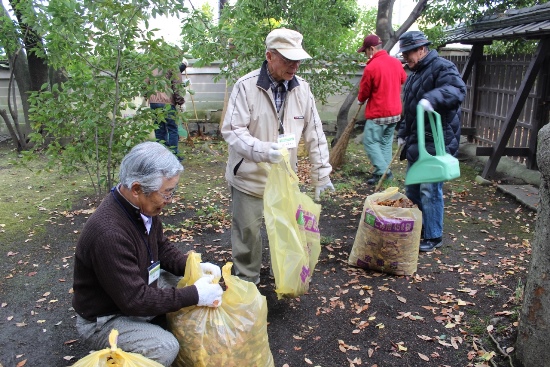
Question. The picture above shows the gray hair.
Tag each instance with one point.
(148, 164)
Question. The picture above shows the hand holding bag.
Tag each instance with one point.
(231, 335)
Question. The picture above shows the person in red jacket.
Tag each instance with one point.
(381, 86)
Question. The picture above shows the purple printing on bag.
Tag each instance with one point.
(304, 273)
(307, 219)
(386, 224)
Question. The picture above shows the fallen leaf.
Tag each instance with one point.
(424, 357)
(487, 356)
(21, 363)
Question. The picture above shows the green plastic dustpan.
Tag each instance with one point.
(431, 168)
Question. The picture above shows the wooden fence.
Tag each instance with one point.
(491, 90)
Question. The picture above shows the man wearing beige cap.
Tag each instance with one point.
(269, 108)
(381, 86)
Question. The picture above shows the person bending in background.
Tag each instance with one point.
(167, 99)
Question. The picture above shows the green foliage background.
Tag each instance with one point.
(109, 60)
(332, 30)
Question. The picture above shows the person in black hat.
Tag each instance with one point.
(381, 86)
(436, 85)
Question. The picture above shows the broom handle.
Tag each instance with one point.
(351, 124)
(388, 168)
(192, 99)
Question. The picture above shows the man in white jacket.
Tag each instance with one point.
(269, 108)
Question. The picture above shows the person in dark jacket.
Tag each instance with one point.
(436, 85)
(118, 282)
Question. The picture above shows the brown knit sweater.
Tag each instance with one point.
(111, 260)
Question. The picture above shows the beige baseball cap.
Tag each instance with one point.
(287, 42)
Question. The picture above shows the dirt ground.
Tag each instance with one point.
(459, 309)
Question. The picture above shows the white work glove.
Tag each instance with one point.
(274, 155)
(360, 103)
(320, 189)
(210, 294)
(211, 269)
(426, 105)
(400, 142)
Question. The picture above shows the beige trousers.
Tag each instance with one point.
(246, 239)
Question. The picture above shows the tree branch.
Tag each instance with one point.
(500, 350)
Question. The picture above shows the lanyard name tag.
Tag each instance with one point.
(287, 140)
(154, 272)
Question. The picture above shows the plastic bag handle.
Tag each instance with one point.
(437, 132)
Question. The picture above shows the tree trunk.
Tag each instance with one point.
(389, 37)
(343, 112)
(30, 72)
(534, 326)
(384, 28)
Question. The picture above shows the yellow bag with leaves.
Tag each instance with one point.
(115, 357)
(292, 223)
(231, 335)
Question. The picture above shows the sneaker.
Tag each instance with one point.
(428, 245)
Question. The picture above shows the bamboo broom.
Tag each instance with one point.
(339, 151)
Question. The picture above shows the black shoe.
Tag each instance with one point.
(374, 180)
(428, 245)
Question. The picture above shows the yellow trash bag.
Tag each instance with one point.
(388, 237)
(292, 223)
(115, 357)
(231, 335)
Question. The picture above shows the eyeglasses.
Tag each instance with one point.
(168, 197)
(287, 62)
